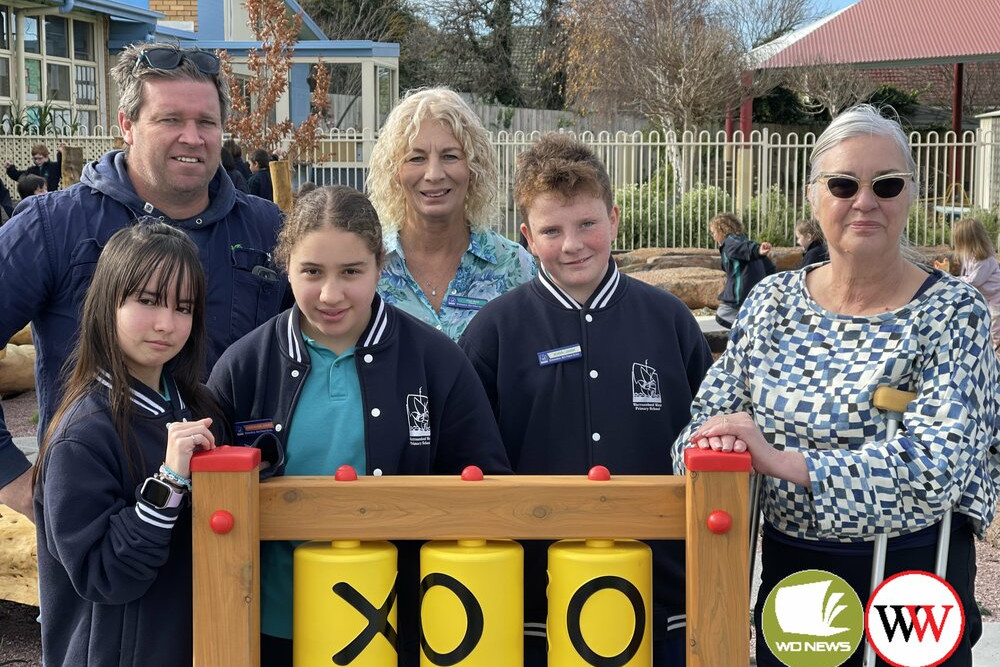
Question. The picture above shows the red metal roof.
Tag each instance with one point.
(894, 31)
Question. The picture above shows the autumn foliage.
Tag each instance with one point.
(255, 98)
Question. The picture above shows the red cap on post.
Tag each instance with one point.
(226, 458)
(709, 460)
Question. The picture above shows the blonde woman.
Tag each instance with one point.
(433, 180)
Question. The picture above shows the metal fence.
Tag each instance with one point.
(669, 185)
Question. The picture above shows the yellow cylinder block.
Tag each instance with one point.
(472, 609)
(600, 603)
(344, 607)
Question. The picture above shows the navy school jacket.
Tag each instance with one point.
(630, 362)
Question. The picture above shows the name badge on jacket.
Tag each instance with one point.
(464, 302)
(559, 355)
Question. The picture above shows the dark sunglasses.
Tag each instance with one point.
(887, 186)
(165, 58)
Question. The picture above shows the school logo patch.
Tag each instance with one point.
(418, 418)
(645, 387)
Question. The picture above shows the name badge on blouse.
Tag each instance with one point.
(464, 302)
(559, 355)
(247, 432)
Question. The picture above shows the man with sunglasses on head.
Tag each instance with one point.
(173, 104)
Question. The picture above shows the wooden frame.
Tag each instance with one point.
(227, 495)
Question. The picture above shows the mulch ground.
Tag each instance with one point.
(20, 634)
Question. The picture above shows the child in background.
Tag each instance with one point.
(344, 379)
(744, 261)
(809, 237)
(979, 266)
(29, 185)
(111, 508)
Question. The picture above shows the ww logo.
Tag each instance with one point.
(914, 619)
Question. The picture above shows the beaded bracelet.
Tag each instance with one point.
(174, 477)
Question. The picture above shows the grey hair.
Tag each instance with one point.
(865, 120)
(862, 120)
(129, 81)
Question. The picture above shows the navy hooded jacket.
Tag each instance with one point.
(49, 250)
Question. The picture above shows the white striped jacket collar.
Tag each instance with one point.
(145, 398)
(373, 334)
(599, 299)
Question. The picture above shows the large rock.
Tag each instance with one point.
(18, 558)
(696, 287)
(17, 369)
(22, 337)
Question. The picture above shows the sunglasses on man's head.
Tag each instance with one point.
(844, 186)
(165, 58)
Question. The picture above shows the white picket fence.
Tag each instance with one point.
(669, 185)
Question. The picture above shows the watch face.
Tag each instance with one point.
(156, 493)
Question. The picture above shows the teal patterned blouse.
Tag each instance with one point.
(491, 266)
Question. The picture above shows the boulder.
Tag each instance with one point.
(696, 287)
(786, 259)
(18, 567)
(677, 261)
(22, 337)
(17, 369)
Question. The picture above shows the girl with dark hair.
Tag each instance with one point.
(111, 511)
(342, 378)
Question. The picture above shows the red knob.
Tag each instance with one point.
(599, 474)
(221, 522)
(472, 474)
(346, 473)
(719, 522)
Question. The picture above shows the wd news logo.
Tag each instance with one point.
(812, 619)
(914, 619)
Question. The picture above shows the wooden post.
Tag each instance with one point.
(281, 184)
(718, 559)
(72, 165)
(226, 564)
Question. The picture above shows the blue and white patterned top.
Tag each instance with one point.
(807, 376)
(491, 266)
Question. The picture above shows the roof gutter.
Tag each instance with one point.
(67, 7)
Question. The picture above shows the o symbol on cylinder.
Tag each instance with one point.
(473, 615)
(575, 608)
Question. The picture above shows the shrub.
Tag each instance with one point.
(771, 217)
(643, 217)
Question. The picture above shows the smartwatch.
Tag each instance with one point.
(159, 494)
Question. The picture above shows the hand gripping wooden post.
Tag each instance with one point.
(233, 512)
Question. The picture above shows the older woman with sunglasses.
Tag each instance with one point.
(809, 348)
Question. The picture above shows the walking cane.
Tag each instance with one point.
(894, 402)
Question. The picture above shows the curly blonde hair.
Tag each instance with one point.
(394, 142)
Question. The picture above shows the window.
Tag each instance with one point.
(4, 28)
(30, 34)
(4, 77)
(58, 82)
(61, 84)
(83, 40)
(56, 37)
(32, 80)
(86, 84)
